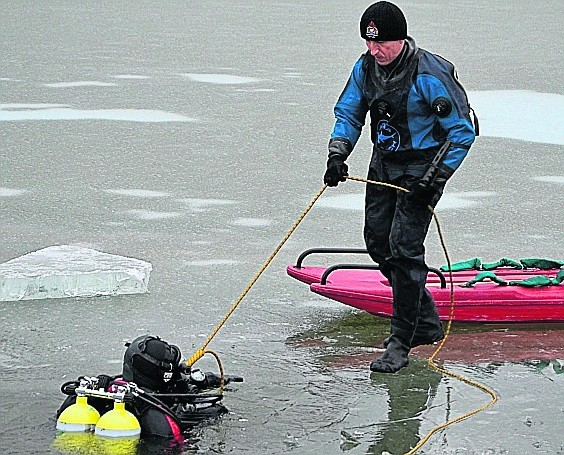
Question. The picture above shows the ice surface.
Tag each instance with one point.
(138, 193)
(220, 78)
(448, 201)
(130, 76)
(71, 271)
(551, 178)
(81, 84)
(21, 111)
(520, 114)
(9, 192)
(252, 222)
(152, 214)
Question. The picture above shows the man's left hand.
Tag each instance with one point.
(422, 194)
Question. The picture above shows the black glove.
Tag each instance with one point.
(209, 380)
(337, 170)
(424, 190)
(213, 380)
(421, 194)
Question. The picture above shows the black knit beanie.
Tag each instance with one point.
(383, 21)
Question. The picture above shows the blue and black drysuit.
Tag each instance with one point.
(416, 105)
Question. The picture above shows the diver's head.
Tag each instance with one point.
(151, 363)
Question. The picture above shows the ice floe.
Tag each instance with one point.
(71, 271)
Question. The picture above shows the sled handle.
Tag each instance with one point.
(331, 269)
(328, 251)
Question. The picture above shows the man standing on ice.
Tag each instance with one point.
(421, 129)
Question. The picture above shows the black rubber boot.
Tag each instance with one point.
(394, 358)
(428, 329)
(420, 340)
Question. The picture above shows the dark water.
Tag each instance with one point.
(227, 187)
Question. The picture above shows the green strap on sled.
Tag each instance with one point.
(529, 263)
(470, 264)
(503, 262)
(483, 276)
(543, 264)
(534, 281)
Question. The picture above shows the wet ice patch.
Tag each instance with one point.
(448, 201)
(138, 193)
(153, 215)
(252, 222)
(65, 113)
(81, 84)
(520, 114)
(71, 271)
(222, 79)
(559, 179)
(9, 192)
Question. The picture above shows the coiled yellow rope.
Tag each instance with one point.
(202, 351)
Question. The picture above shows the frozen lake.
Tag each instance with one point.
(191, 135)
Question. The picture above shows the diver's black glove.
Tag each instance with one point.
(213, 380)
(425, 189)
(337, 170)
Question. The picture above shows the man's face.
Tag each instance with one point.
(384, 51)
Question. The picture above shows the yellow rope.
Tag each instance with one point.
(221, 371)
(200, 352)
(431, 360)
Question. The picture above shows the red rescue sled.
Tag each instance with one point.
(364, 287)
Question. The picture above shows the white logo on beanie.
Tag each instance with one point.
(372, 30)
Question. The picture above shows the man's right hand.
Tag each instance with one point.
(337, 171)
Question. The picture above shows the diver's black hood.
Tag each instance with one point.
(151, 363)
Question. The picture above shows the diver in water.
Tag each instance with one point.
(166, 396)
